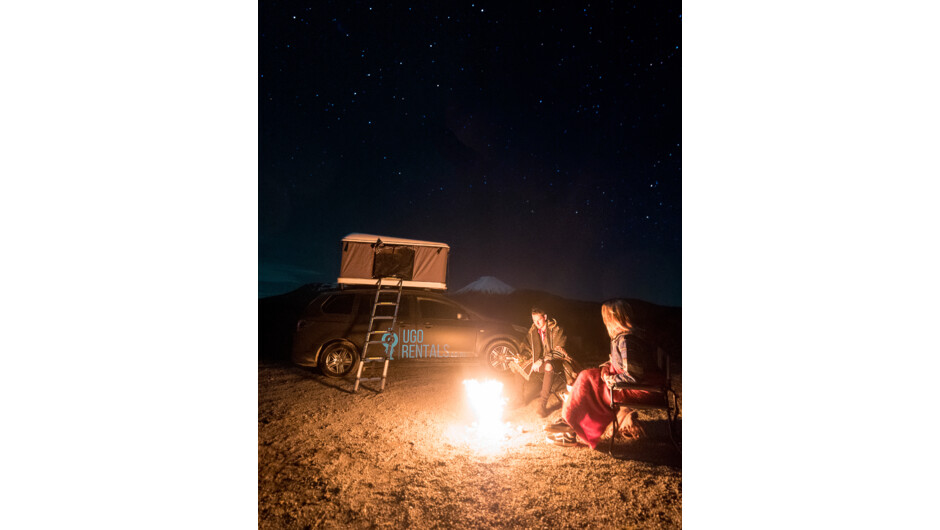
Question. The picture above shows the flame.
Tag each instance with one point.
(487, 401)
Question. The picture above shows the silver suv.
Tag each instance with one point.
(332, 329)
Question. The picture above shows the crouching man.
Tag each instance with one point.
(545, 342)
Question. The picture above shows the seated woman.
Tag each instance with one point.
(586, 412)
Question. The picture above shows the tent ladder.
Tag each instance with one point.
(381, 330)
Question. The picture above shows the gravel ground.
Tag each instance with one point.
(406, 458)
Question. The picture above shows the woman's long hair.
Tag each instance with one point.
(617, 316)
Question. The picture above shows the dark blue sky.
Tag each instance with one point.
(541, 141)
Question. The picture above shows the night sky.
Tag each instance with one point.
(541, 141)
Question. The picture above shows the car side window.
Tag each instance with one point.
(435, 309)
(365, 304)
(339, 304)
(406, 309)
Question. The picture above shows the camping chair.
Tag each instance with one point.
(523, 368)
(663, 398)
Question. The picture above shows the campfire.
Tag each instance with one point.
(487, 401)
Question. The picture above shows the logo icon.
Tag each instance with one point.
(389, 340)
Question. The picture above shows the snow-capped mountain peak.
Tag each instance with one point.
(487, 284)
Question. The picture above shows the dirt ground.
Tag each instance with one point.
(406, 458)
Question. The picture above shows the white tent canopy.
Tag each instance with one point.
(366, 258)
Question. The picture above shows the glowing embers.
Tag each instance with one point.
(487, 401)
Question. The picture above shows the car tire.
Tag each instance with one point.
(494, 356)
(338, 359)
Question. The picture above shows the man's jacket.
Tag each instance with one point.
(555, 336)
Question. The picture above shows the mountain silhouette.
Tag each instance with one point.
(487, 284)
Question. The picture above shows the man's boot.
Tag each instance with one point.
(542, 410)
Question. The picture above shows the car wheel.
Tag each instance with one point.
(338, 359)
(498, 354)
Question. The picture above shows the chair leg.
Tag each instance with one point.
(672, 412)
(613, 432)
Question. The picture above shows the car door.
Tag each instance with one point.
(444, 329)
(404, 321)
(404, 326)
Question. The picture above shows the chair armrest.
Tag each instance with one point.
(635, 386)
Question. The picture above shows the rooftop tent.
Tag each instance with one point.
(366, 258)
